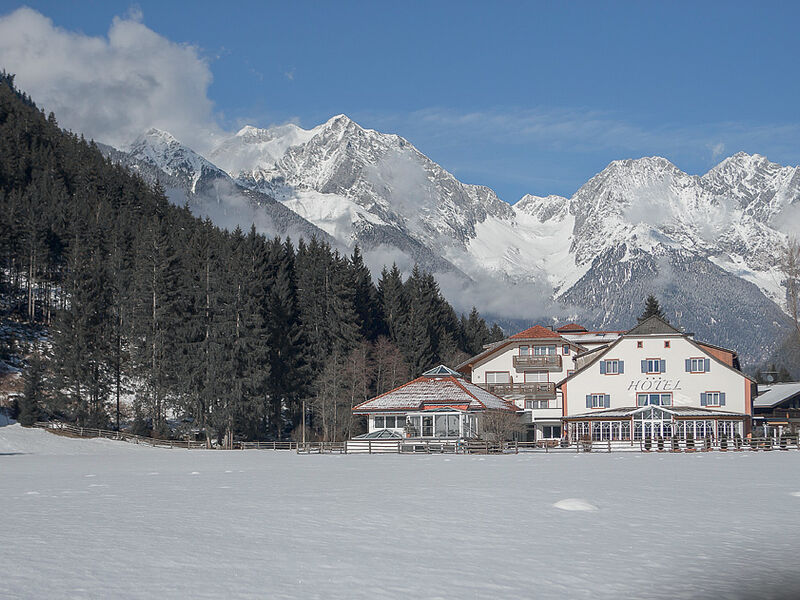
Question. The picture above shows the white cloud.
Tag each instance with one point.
(111, 88)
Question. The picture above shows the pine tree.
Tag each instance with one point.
(33, 391)
(652, 308)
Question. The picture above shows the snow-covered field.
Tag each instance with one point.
(103, 519)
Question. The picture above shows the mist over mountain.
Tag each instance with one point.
(707, 245)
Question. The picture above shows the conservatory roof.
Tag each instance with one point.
(379, 434)
(681, 412)
(442, 370)
(426, 393)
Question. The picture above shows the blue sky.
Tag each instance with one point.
(522, 97)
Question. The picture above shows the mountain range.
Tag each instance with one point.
(708, 246)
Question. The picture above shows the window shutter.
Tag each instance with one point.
(688, 365)
(602, 367)
(644, 366)
(588, 401)
(621, 366)
(703, 400)
(707, 365)
(722, 398)
(607, 401)
(662, 366)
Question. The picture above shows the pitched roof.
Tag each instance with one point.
(571, 328)
(773, 394)
(604, 350)
(653, 325)
(424, 393)
(536, 332)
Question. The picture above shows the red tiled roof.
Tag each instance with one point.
(537, 331)
(571, 327)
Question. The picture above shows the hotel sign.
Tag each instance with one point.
(654, 385)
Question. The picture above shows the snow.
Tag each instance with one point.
(263, 524)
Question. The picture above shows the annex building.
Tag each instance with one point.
(439, 405)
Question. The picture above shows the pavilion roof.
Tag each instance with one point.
(427, 393)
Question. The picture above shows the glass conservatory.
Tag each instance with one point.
(653, 422)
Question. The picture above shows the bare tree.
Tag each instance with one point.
(500, 425)
(790, 267)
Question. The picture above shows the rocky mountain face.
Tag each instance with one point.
(707, 245)
(188, 178)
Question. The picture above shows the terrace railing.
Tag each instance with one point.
(548, 362)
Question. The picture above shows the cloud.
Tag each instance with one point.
(115, 87)
(717, 150)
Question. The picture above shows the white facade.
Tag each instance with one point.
(525, 369)
(690, 381)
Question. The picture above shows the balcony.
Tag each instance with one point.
(547, 362)
(544, 390)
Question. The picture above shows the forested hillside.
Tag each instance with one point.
(221, 333)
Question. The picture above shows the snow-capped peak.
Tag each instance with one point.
(162, 150)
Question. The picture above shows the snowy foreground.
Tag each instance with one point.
(102, 519)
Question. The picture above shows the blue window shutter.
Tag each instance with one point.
(607, 401)
(644, 366)
(602, 367)
(662, 367)
(722, 398)
(622, 366)
(707, 365)
(588, 401)
(703, 400)
(688, 365)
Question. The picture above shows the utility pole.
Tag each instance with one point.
(304, 422)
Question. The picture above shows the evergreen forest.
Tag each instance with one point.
(154, 320)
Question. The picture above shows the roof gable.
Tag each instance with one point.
(653, 325)
(536, 332)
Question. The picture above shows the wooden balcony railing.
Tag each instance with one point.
(543, 390)
(548, 362)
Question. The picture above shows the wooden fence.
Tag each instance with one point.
(422, 446)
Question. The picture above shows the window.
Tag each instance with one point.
(712, 399)
(524, 350)
(531, 404)
(498, 377)
(389, 422)
(654, 365)
(412, 423)
(598, 401)
(698, 365)
(666, 343)
(379, 423)
(612, 367)
(536, 376)
(551, 431)
(654, 399)
(427, 426)
(565, 349)
(446, 426)
(640, 344)
(544, 350)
